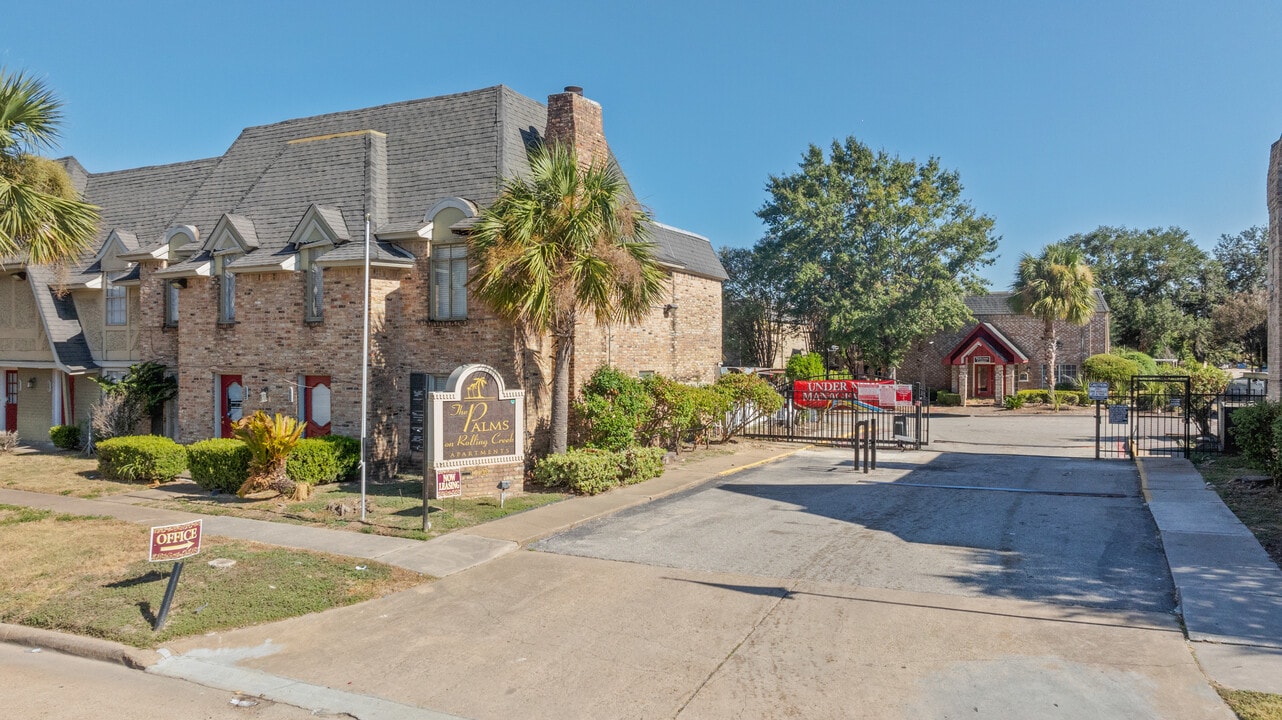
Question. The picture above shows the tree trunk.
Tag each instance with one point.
(564, 332)
(1048, 336)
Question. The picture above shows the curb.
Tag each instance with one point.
(1144, 491)
(85, 647)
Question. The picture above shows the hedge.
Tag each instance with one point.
(589, 472)
(348, 455)
(313, 461)
(948, 399)
(66, 437)
(141, 457)
(220, 464)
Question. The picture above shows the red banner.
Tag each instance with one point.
(872, 395)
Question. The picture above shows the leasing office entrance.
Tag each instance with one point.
(985, 365)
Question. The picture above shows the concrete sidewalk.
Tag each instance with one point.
(1229, 590)
(440, 556)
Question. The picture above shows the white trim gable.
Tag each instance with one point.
(315, 229)
(232, 234)
(118, 242)
(458, 203)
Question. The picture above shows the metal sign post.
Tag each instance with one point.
(173, 542)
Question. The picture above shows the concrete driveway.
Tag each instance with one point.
(981, 583)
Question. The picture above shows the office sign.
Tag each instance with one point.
(174, 542)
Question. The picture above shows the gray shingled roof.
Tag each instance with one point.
(379, 252)
(392, 161)
(62, 325)
(692, 253)
(998, 303)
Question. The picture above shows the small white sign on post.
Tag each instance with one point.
(1097, 390)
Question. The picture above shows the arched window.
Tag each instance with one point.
(449, 267)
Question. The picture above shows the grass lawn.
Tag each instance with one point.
(57, 472)
(1258, 506)
(392, 508)
(90, 576)
(1253, 705)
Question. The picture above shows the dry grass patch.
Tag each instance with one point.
(57, 473)
(90, 576)
(1253, 705)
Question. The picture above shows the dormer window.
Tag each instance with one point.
(171, 302)
(226, 286)
(314, 300)
(449, 267)
(181, 242)
(321, 228)
(117, 312)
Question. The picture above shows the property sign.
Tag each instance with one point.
(1097, 390)
(476, 420)
(1118, 414)
(851, 395)
(174, 542)
(449, 483)
(418, 410)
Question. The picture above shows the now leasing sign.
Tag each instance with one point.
(170, 543)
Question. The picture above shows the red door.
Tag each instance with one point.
(231, 400)
(984, 380)
(317, 397)
(11, 400)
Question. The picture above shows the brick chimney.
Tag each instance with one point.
(576, 121)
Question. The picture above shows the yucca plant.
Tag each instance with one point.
(270, 440)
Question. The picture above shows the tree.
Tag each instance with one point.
(149, 386)
(1057, 285)
(42, 218)
(1245, 259)
(753, 315)
(1159, 285)
(873, 251)
(1240, 325)
(568, 241)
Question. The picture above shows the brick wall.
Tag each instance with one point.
(1077, 342)
(684, 345)
(576, 121)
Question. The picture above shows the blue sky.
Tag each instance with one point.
(1059, 117)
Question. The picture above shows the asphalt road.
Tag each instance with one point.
(1061, 530)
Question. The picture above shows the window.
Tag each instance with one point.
(449, 282)
(314, 306)
(226, 288)
(171, 304)
(1064, 373)
(116, 313)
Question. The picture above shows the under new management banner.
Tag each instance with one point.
(874, 395)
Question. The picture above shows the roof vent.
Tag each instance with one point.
(574, 89)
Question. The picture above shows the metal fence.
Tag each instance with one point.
(906, 425)
(1160, 416)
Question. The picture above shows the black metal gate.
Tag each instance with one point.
(903, 426)
(1155, 418)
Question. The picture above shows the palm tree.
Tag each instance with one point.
(1057, 285)
(569, 240)
(42, 219)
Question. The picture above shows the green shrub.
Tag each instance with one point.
(586, 472)
(1257, 430)
(613, 407)
(348, 455)
(1013, 402)
(312, 461)
(589, 471)
(948, 399)
(150, 458)
(66, 437)
(681, 411)
(750, 397)
(220, 464)
(640, 464)
(804, 365)
(1033, 396)
(1146, 363)
(1115, 370)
